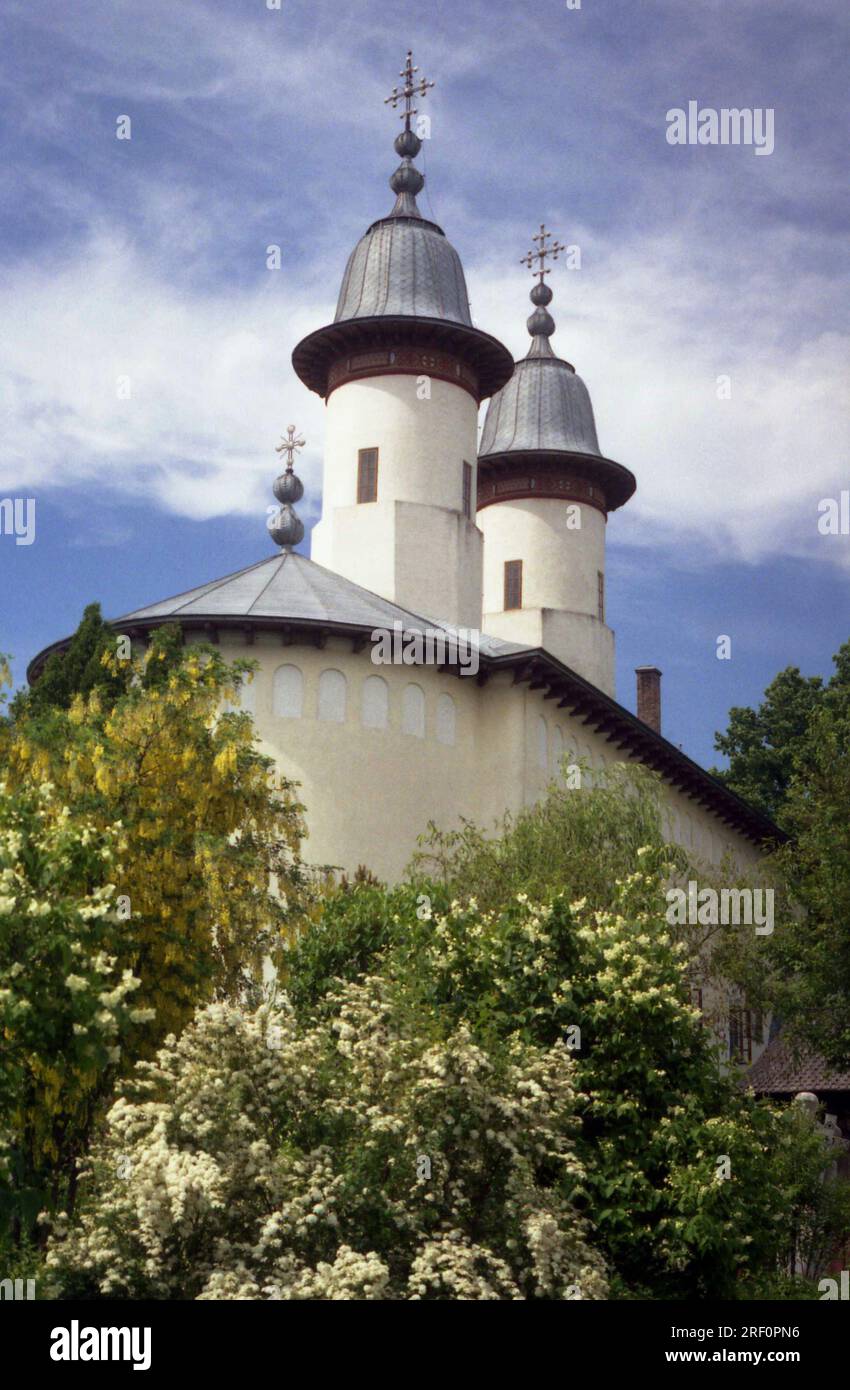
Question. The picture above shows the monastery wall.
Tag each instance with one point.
(380, 750)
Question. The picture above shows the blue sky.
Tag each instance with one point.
(147, 258)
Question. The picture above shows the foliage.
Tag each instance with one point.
(659, 1121)
(76, 670)
(66, 1005)
(814, 956)
(157, 811)
(270, 1156)
(570, 843)
(763, 744)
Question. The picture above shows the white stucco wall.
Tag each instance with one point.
(560, 568)
(414, 545)
(371, 790)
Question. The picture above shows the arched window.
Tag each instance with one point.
(446, 719)
(332, 690)
(413, 711)
(542, 744)
(288, 692)
(374, 708)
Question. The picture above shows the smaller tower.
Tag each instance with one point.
(544, 494)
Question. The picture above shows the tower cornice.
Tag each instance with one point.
(441, 348)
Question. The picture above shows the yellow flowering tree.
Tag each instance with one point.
(192, 828)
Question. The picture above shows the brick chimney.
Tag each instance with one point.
(649, 696)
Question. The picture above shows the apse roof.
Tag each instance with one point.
(781, 1071)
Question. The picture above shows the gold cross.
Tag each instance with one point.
(412, 87)
(541, 253)
(288, 444)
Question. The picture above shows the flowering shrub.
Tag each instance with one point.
(357, 1157)
(689, 1184)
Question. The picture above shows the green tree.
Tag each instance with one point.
(761, 744)
(814, 954)
(76, 670)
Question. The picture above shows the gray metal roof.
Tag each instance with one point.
(290, 587)
(544, 408)
(404, 266)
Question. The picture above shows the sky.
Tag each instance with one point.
(708, 317)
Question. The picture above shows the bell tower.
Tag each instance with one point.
(403, 370)
(544, 495)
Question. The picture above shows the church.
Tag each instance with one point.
(491, 554)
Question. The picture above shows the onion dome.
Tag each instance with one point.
(539, 436)
(403, 295)
(285, 526)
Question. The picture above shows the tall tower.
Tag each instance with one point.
(403, 371)
(544, 494)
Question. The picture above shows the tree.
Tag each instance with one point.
(194, 826)
(76, 670)
(761, 744)
(814, 955)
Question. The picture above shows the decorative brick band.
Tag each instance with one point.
(566, 487)
(403, 361)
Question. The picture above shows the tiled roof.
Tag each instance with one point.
(780, 1071)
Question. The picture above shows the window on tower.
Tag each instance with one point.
(467, 490)
(600, 595)
(367, 475)
(513, 584)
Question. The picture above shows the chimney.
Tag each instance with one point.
(649, 696)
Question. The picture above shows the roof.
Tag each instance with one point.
(406, 266)
(302, 601)
(540, 424)
(544, 408)
(783, 1071)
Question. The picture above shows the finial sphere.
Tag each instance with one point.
(285, 528)
(541, 294)
(407, 143)
(288, 487)
(407, 179)
(540, 324)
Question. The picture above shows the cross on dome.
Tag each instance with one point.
(412, 87)
(288, 445)
(541, 253)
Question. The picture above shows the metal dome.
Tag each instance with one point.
(404, 266)
(544, 408)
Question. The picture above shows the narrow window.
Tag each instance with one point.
(413, 711)
(367, 475)
(740, 1036)
(467, 490)
(542, 744)
(446, 720)
(513, 584)
(600, 595)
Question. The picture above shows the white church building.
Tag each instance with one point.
(498, 547)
